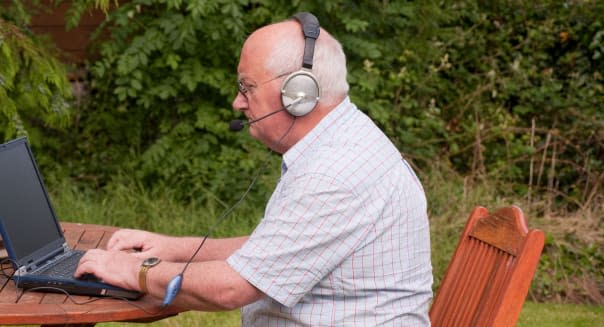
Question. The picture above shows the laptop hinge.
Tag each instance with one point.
(42, 262)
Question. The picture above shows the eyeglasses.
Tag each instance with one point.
(244, 87)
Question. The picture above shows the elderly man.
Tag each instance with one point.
(344, 239)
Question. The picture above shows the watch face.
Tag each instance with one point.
(151, 261)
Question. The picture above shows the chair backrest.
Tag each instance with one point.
(490, 272)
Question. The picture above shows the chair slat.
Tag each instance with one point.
(490, 271)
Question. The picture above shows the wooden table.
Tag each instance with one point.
(59, 309)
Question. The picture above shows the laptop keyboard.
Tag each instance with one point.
(64, 268)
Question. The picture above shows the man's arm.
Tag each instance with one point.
(172, 248)
(214, 249)
(208, 285)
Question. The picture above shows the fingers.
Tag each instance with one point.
(86, 265)
(114, 267)
(125, 240)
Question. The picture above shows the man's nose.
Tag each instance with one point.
(239, 103)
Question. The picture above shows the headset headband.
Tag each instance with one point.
(311, 29)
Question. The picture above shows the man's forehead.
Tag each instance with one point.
(256, 49)
(250, 67)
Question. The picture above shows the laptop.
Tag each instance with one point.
(31, 232)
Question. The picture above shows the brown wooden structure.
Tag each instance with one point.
(490, 272)
(73, 43)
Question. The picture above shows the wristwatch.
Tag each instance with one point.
(142, 275)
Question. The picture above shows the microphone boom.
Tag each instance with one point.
(237, 124)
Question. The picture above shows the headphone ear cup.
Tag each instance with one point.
(300, 93)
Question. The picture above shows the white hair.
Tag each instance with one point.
(329, 63)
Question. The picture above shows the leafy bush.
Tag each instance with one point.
(530, 103)
(160, 99)
(571, 268)
(505, 90)
(34, 90)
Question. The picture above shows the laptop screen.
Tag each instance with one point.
(25, 210)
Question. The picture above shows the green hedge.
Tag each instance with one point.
(493, 89)
(34, 90)
(507, 89)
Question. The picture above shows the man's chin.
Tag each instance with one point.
(253, 131)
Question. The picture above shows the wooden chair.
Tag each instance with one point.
(490, 272)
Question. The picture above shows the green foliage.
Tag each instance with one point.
(505, 90)
(131, 205)
(161, 96)
(34, 90)
(532, 95)
(570, 270)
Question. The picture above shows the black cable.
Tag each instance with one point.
(174, 285)
(264, 165)
(70, 296)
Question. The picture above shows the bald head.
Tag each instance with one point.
(279, 48)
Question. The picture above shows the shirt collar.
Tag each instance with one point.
(333, 118)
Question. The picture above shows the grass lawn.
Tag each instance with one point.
(533, 315)
(558, 315)
(133, 206)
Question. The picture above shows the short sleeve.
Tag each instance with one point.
(305, 234)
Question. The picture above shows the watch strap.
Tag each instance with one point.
(142, 274)
(142, 279)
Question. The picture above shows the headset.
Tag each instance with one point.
(300, 91)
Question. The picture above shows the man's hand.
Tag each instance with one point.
(114, 267)
(143, 244)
